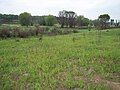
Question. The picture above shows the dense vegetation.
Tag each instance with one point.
(88, 60)
(14, 31)
(8, 18)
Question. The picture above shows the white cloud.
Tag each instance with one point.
(89, 8)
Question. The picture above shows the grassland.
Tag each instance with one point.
(88, 60)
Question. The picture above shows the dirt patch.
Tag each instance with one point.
(115, 77)
(96, 79)
(111, 85)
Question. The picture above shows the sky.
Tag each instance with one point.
(89, 8)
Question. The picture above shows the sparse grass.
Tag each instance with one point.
(59, 63)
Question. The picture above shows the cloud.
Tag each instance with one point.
(89, 8)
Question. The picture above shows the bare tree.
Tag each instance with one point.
(67, 18)
(62, 15)
(72, 18)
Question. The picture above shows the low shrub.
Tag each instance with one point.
(30, 31)
(55, 31)
(23, 34)
(37, 25)
(47, 28)
(5, 33)
(39, 30)
(75, 31)
(66, 31)
(15, 32)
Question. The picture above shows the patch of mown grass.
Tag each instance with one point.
(60, 63)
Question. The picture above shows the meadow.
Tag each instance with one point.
(88, 60)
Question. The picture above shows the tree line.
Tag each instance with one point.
(65, 19)
(8, 18)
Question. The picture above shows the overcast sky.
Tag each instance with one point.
(89, 8)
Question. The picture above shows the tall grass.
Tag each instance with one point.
(58, 63)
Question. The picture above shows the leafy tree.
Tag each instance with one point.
(82, 21)
(38, 20)
(86, 21)
(25, 19)
(41, 20)
(96, 23)
(50, 20)
(8, 18)
(103, 20)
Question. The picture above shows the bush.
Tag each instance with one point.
(67, 31)
(37, 25)
(40, 30)
(15, 32)
(31, 32)
(5, 33)
(56, 25)
(75, 31)
(47, 28)
(23, 34)
(55, 31)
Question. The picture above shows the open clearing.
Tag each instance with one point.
(86, 60)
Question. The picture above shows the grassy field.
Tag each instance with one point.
(88, 60)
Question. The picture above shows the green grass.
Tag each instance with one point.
(59, 63)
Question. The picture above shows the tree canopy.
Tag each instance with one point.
(50, 20)
(104, 18)
(25, 19)
(82, 21)
(8, 18)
